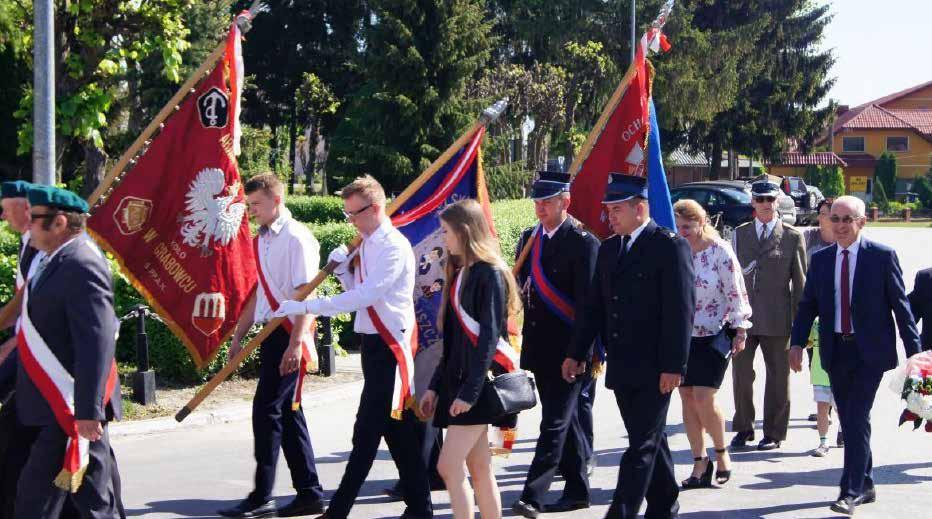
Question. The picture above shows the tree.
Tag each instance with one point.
(97, 43)
(833, 182)
(419, 55)
(923, 188)
(885, 173)
(880, 197)
(315, 100)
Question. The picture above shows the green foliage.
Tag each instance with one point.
(511, 218)
(885, 173)
(880, 197)
(508, 181)
(315, 209)
(896, 208)
(412, 105)
(331, 235)
(257, 152)
(923, 187)
(833, 182)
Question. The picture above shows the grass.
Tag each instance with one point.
(923, 223)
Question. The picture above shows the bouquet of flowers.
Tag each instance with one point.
(913, 382)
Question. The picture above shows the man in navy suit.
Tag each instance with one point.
(920, 301)
(642, 302)
(69, 327)
(855, 288)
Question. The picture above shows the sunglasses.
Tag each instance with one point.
(762, 199)
(842, 219)
(350, 214)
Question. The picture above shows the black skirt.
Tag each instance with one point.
(706, 367)
(443, 419)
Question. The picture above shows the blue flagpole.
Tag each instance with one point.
(661, 208)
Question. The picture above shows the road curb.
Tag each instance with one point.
(232, 413)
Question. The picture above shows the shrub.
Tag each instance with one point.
(511, 217)
(315, 209)
(508, 181)
(923, 188)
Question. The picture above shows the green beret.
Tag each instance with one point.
(15, 189)
(58, 198)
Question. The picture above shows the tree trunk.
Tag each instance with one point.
(273, 153)
(715, 161)
(311, 163)
(95, 163)
(293, 132)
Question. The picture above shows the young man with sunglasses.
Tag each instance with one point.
(773, 260)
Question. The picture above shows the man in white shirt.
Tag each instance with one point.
(380, 289)
(856, 289)
(773, 259)
(287, 260)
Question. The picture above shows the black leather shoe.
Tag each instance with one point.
(301, 506)
(869, 496)
(565, 505)
(813, 417)
(524, 509)
(741, 439)
(768, 444)
(844, 505)
(247, 508)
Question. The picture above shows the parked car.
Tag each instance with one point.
(795, 188)
(728, 203)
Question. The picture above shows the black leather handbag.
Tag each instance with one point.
(506, 394)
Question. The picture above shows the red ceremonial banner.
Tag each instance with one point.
(619, 148)
(177, 221)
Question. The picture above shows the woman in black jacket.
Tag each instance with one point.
(478, 296)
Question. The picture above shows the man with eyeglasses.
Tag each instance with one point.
(379, 286)
(773, 260)
(855, 288)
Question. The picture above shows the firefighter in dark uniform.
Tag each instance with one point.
(555, 277)
(641, 302)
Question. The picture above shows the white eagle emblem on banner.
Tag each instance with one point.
(212, 212)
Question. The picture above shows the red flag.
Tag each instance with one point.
(618, 142)
(177, 221)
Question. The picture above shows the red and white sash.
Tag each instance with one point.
(503, 438)
(57, 387)
(403, 345)
(308, 349)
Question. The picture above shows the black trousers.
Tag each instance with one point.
(854, 386)
(562, 445)
(374, 421)
(276, 426)
(431, 439)
(37, 494)
(586, 401)
(646, 466)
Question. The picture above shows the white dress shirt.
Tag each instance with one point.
(634, 235)
(291, 256)
(388, 267)
(852, 261)
(551, 232)
(759, 226)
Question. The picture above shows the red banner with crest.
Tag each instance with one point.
(177, 221)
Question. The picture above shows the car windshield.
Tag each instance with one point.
(741, 196)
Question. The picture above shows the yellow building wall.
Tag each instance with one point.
(917, 100)
(787, 171)
(914, 162)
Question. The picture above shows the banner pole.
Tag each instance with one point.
(489, 115)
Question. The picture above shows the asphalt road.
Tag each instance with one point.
(192, 472)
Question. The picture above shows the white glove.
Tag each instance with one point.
(290, 308)
(338, 254)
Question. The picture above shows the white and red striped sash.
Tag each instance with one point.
(57, 387)
(308, 349)
(503, 438)
(403, 344)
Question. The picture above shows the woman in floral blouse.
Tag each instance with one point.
(722, 306)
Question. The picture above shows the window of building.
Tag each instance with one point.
(852, 144)
(897, 143)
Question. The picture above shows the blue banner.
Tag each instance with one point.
(661, 208)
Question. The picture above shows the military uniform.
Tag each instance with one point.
(564, 258)
(641, 301)
(70, 309)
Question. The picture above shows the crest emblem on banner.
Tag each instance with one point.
(213, 107)
(209, 312)
(132, 214)
(214, 211)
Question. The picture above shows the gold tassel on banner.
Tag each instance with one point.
(70, 482)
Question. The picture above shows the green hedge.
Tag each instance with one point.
(315, 209)
(170, 359)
